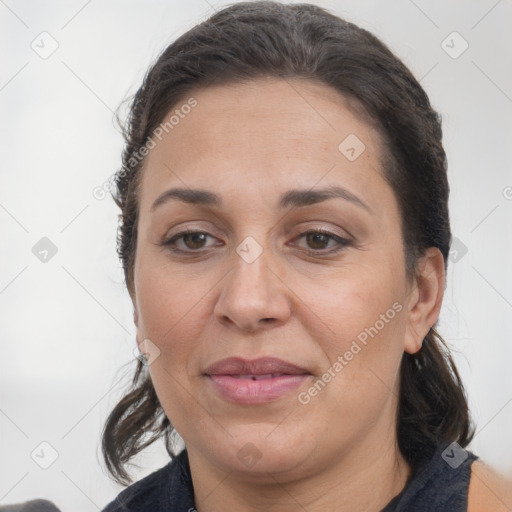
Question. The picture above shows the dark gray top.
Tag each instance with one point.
(440, 484)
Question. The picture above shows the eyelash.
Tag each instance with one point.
(342, 242)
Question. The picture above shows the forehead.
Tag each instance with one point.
(263, 135)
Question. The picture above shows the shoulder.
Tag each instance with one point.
(141, 495)
(169, 488)
(488, 490)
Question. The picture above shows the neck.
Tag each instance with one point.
(365, 479)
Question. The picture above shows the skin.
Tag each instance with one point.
(249, 143)
(489, 491)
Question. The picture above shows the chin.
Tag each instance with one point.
(256, 453)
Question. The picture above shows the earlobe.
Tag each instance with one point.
(425, 299)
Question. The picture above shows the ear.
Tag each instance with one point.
(425, 298)
(138, 336)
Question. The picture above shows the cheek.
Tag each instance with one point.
(354, 299)
(362, 374)
(168, 301)
(170, 310)
(365, 314)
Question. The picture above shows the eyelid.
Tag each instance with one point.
(169, 241)
(341, 241)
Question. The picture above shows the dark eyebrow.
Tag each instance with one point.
(296, 198)
(188, 195)
(300, 198)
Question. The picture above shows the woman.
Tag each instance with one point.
(284, 236)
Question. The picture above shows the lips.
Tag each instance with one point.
(259, 377)
(254, 381)
(261, 367)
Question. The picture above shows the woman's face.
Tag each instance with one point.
(337, 308)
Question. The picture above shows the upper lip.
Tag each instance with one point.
(260, 366)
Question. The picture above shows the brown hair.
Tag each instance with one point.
(250, 40)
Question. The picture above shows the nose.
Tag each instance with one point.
(254, 295)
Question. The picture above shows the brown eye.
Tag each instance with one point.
(192, 241)
(317, 241)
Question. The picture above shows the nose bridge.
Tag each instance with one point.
(251, 266)
(251, 291)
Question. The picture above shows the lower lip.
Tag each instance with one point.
(248, 391)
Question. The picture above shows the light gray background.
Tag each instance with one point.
(66, 325)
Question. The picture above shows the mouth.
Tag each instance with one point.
(255, 381)
(259, 377)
